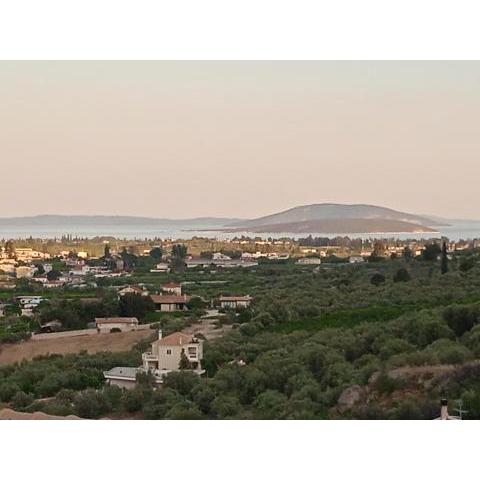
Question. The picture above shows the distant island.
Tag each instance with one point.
(339, 218)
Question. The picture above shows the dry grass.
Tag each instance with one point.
(111, 342)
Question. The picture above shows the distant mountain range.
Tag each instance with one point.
(317, 218)
(339, 218)
(107, 220)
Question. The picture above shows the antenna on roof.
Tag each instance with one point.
(459, 408)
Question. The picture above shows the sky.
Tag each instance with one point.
(238, 139)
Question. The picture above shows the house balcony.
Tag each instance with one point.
(149, 357)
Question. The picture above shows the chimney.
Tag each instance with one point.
(444, 409)
(159, 333)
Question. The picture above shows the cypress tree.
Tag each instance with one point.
(444, 262)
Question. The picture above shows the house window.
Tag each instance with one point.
(192, 351)
(169, 352)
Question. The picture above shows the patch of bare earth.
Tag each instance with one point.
(208, 328)
(9, 414)
(105, 342)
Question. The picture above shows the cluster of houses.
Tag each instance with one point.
(167, 354)
(172, 298)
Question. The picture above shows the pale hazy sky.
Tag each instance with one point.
(184, 139)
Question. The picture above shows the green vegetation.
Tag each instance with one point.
(404, 340)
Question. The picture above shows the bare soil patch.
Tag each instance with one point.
(105, 342)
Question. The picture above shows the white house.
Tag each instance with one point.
(29, 301)
(220, 256)
(235, 302)
(173, 288)
(161, 268)
(170, 303)
(132, 290)
(356, 259)
(123, 377)
(124, 324)
(167, 352)
(164, 357)
(309, 261)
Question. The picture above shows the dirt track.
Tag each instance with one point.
(112, 342)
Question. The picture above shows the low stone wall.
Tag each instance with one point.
(71, 333)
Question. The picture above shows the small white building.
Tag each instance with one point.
(132, 290)
(356, 259)
(124, 324)
(173, 288)
(235, 302)
(170, 303)
(309, 261)
(220, 256)
(29, 301)
(161, 268)
(123, 377)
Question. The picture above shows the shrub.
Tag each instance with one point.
(461, 319)
(21, 400)
(377, 279)
(401, 275)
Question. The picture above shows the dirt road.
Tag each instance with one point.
(112, 342)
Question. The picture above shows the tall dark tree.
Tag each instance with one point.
(184, 362)
(431, 252)
(179, 253)
(407, 253)
(9, 249)
(156, 253)
(444, 262)
(106, 251)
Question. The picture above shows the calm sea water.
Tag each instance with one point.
(458, 231)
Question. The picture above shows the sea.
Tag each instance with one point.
(458, 230)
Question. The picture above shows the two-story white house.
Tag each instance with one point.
(167, 352)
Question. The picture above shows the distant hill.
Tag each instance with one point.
(106, 220)
(338, 218)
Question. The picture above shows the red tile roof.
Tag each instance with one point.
(159, 299)
(176, 339)
(247, 298)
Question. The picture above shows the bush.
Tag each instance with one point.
(21, 400)
(461, 319)
(8, 390)
(377, 279)
(401, 275)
